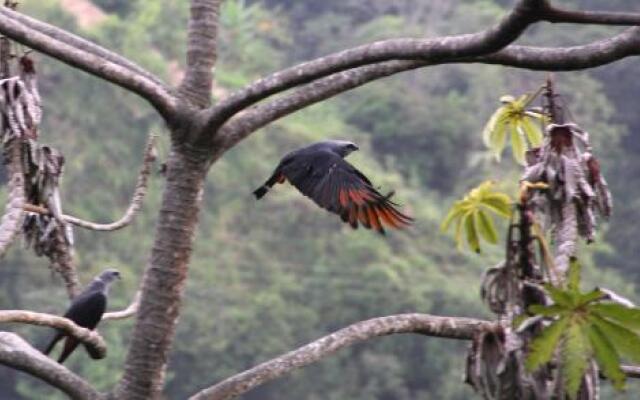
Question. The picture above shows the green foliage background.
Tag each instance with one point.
(272, 275)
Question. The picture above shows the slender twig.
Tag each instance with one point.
(128, 312)
(134, 206)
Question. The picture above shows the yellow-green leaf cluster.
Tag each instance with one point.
(473, 215)
(514, 119)
(585, 328)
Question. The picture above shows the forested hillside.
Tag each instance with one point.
(271, 275)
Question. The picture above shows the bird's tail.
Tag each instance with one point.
(261, 191)
(69, 346)
(277, 177)
(53, 342)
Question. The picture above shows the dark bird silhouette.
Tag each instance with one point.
(86, 310)
(320, 172)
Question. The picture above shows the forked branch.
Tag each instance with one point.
(537, 58)
(428, 51)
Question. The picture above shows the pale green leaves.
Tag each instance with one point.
(472, 215)
(584, 328)
(514, 119)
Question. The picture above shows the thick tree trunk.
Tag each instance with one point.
(165, 276)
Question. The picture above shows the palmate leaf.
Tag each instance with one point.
(544, 345)
(591, 328)
(472, 216)
(606, 356)
(576, 351)
(514, 120)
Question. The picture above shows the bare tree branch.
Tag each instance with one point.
(201, 51)
(136, 201)
(16, 353)
(538, 58)
(96, 65)
(79, 43)
(436, 50)
(130, 311)
(90, 338)
(555, 15)
(11, 221)
(424, 324)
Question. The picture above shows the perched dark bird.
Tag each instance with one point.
(320, 172)
(86, 310)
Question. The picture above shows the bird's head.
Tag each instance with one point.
(109, 275)
(342, 147)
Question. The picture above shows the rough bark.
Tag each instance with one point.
(164, 276)
(201, 52)
(13, 216)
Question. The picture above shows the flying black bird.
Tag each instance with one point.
(320, 172)
(86, 310)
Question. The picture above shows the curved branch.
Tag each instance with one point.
(201, 51)
(424, 324)
(11, 221)
(483, 42)
(436, 50)
(96, 65)
(79, 43)
(136, 201)
(130, 311)
(86, 336)
(16, 353)
(537, 58)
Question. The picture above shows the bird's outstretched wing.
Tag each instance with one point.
(334, 184)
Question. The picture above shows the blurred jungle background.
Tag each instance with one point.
(272, 275)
